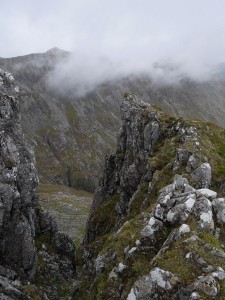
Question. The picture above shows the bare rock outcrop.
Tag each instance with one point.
(158, 211)
(22, 222)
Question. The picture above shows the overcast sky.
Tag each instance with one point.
(135, 33)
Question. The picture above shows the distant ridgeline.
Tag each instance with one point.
(70, 134)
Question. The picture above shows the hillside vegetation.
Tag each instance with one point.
(156, 229)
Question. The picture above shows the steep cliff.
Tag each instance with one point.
(69, 134)
(156, 230)
(31, 247)
(18, 182)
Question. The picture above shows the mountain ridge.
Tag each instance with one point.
(155, 230)
(60, 127)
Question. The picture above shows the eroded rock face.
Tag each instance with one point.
(17, 187)
(219, 208)
(202, 175)
(22, 221)
(174, 206)
(123, 171)
(157, 285)
(176, 241)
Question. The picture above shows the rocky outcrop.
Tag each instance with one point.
(124, 170)
(154, 285)
(155, 230)
(18, 182)
(179, 206)
(23, 224)
(141, 130)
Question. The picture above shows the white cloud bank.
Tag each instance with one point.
(109, 38)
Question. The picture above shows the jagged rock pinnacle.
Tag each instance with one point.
(154, 214)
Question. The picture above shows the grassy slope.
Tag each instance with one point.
(70, 206)
(212, 145)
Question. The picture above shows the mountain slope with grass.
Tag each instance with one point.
(70, 133)
(156, 227)
(69, 206)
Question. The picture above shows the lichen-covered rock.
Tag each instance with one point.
(124, 170)
(18, 180)
(179, 213)
(159, 284)
(203, 211)
(202, 175)
(22, 221)
(193, 163)
(156, 220)
(102, 261)
(182, 158)
(219, 208)
(119, 270)
(152, 230)
(207, 285)
(184, 228)
(207, 193)
(183, 294)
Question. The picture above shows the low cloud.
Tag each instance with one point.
(165, 62)
(167, 40)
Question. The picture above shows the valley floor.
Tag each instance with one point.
(70, 207)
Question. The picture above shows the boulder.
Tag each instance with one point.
(219, 209)
(159, 284)
(207, 285)
(202, 176)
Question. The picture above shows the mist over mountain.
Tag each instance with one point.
(81, 73)
(71, 108)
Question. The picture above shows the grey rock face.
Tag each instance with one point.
(60, 124)
(17, 187)
(182, 157)
(9, 291)
(207, 284)
(193, 163)
(178, 224)
(21, 219)
(157, 285)
(123, 171)
(43, 107)
(219, 209)
(151, 134)
(151, 231)
(202, 176)
(203, 210)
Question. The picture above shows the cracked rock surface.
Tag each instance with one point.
(24, 225)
